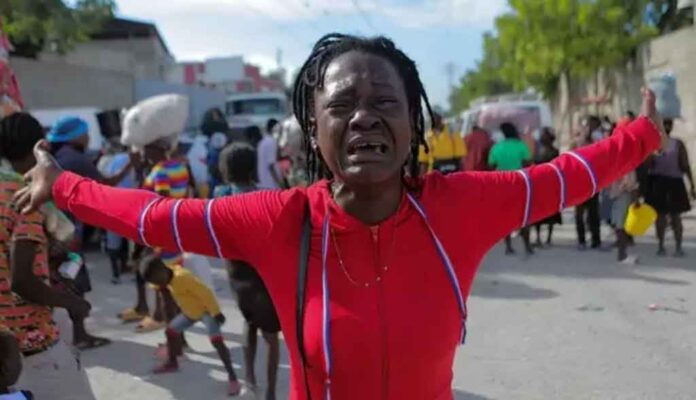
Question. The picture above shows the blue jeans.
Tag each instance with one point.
(181, 323)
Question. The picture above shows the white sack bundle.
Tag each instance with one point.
(155, 118)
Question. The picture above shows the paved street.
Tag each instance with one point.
(563, 324)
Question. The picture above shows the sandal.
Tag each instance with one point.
(92, 342)
(234, 388)
(149, 325)
(162, 353)
(130, 315)
(165, 368)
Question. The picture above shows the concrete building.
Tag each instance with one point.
(123, 45)
(221, 73)
(675, 53)
(229, 74)
(125, 62)
(99, 73)
(56, 84)
(224, 70)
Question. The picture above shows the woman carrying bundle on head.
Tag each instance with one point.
(167, 175)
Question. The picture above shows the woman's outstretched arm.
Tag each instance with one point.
(505, 201)
(231, 227)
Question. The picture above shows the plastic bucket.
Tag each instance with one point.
(639, 218)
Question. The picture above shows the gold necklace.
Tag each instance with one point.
(383, 271)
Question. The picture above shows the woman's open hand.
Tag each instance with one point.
(40, 180)
(649, 109)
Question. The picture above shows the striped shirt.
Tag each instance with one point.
(168, 177)
(32, 324)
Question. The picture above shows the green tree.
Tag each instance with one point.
(538, 43)
(34, 25)
(545, 40)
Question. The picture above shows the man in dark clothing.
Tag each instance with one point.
(587, 213)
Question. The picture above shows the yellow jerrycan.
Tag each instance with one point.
(640, 217)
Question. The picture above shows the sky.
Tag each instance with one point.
(435, 33)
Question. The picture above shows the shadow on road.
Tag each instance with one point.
(204, 367)
(462, 395)
(495, 287)
(564, 260)
(137, 360)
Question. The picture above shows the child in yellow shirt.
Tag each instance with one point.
(197, 303)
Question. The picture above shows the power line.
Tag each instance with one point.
(303, 5)
(365, 16)
(263, 14)
(273, 20)
(449, 16)
(299, 7)
(450, 70)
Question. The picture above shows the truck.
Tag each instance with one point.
(527, 111)
(248, 109)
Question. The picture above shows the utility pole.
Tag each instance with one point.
(279, 58)
(450, 69)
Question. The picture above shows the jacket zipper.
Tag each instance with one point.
(375, 233)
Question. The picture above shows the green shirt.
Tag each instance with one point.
(509, 155)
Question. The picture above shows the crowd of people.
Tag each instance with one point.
(35, 273)
(261, 182)
(658, 182)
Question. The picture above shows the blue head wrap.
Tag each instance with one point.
(67, 129)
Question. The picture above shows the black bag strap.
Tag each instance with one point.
(303, 262)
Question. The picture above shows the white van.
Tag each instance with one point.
(247, 109)
(525, 111)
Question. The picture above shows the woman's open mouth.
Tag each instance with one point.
(367, 150)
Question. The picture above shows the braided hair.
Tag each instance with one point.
(19, 132)
(311, 78)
